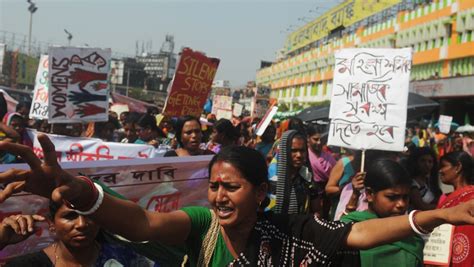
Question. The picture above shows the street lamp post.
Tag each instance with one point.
(69, 36)
(32, 9)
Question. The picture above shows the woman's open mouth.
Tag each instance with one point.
(224, 212)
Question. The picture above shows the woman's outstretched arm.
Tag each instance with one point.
(376, 232)
(46, 178)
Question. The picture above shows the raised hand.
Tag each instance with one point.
(358, 181)
(16, 228)
(45, 178)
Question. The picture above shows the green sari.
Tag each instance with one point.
(408, 252)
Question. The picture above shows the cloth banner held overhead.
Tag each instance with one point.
(78, 87)
(369, 98)
(75, 149)
(191, 84)
(160, 184)
(40, 104)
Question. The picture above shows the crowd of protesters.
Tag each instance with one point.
(323, 205)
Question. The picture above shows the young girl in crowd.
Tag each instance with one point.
(387, 187)
(456, 169)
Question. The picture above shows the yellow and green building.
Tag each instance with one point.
(440, 33)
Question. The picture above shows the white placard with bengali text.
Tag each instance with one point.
(437, 249)
(369, 98)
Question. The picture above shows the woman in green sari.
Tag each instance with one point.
(387, 186)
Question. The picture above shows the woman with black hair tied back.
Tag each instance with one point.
(387, 187)
(232, 232)
(456, 169)
(189, 137)
(223, 134)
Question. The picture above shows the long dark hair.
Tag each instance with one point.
(225, 127)
(384, 174)
(466, 161)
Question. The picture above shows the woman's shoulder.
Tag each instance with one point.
(36, 259)
(170, 153)
(200, 217)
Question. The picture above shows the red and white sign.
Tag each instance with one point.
(78, 84)
(76, 149)
(191, 84)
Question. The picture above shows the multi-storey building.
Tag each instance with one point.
(440, 33)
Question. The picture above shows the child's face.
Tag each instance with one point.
(389, 202)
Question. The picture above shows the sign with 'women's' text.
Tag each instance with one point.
(369, 98)
(78, 84)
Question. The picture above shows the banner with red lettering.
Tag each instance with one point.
(191, 84)
(160, 184)
(78, 86)
(39, 106)
(75, 149)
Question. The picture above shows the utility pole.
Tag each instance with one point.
(32, 8)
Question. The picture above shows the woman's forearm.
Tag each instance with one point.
(376, 232)
(135, 223)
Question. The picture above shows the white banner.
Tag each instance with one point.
(369, 98)
(160, 184)
(78, 84)
(75, 149)
(445, 123)
(2, 56)
(39, 106)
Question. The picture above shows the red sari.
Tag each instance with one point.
(462, 252)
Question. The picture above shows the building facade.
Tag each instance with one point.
(440, 33)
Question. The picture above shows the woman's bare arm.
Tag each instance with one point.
(332, 187)
(376, 232)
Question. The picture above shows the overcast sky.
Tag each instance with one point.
(240, 33)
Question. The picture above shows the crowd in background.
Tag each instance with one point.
(305, 174)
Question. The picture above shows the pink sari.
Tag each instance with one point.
(462, 251)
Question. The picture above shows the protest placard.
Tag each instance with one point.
(445, 123)
(437, 250)
(267, 118)
(222, 107)
(159, 184)
(40, 103)
(76, 149)
(78, 85)
(369, 98)
(238, 108)
(191, 84)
